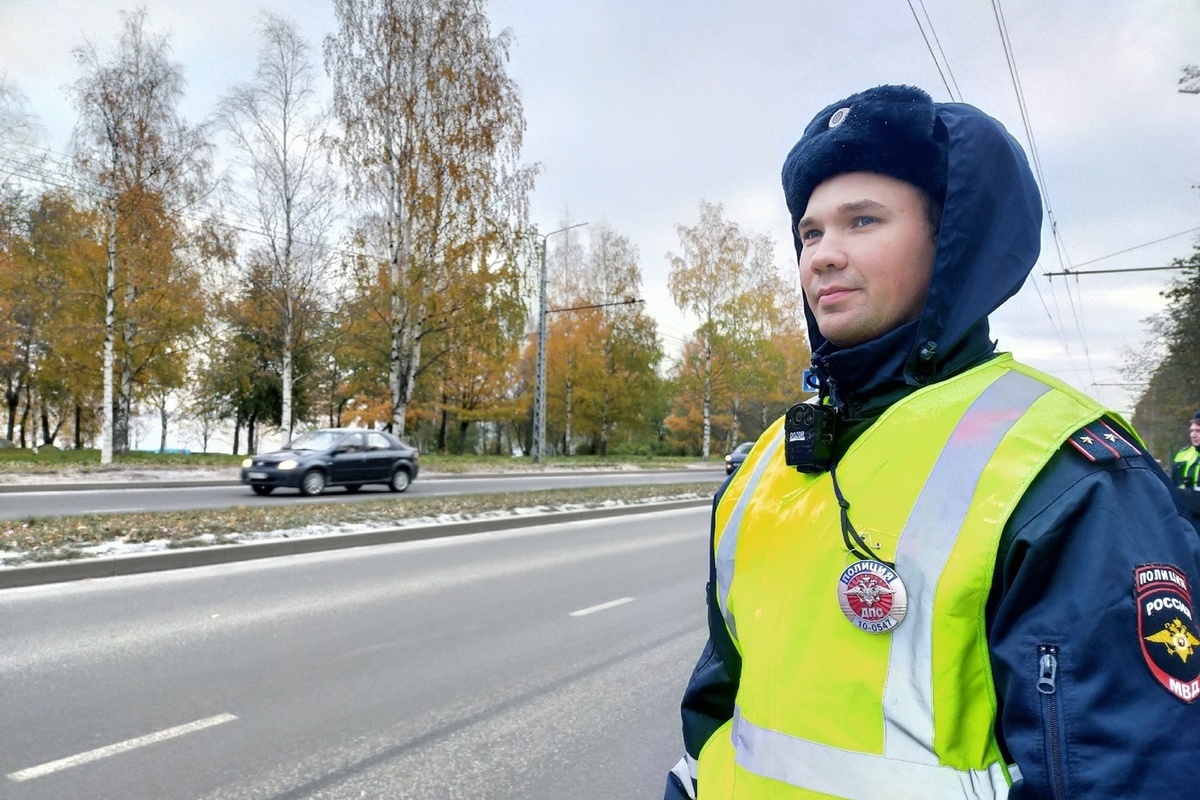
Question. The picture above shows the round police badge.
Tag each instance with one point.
(872, 596)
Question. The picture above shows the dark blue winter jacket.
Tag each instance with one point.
(1106, 724)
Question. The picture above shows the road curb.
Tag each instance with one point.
(61, 572)
(107, 486)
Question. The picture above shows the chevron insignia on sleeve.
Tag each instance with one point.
(1099, 441)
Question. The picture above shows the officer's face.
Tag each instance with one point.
(867, 256)
(1194, 433)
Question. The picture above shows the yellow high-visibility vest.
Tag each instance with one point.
(1188, 462)
(825, 709)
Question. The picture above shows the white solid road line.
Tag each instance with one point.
(602, 607)
(120, 747)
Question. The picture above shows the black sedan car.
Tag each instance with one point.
(735, 459)
(334, 457)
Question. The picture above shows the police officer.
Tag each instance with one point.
(1185, 470)
(951, 576)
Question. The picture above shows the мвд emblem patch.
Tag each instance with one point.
(1167, 628)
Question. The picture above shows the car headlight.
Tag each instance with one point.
(246, 462)
(288, 464)
(728, 459)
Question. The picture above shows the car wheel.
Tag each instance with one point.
(353, 487)
(312, 483)
(400, 480)
(263, 490)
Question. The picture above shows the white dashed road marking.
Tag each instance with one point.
(602, 607)
(120, 747)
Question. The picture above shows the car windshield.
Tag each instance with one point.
(744, 448)
(315, 440)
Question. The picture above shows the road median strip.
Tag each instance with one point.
(46, 550)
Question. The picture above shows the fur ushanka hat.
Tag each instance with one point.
(889, 129)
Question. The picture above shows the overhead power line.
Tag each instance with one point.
(1077, 272)
(1064, 260)
(1138, 247)
(954, 93)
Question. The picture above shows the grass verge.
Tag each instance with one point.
(61, 538)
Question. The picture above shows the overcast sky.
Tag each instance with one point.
(639, 109)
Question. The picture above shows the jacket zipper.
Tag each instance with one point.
(1047, 685)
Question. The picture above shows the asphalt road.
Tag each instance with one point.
(37, 502)
(534, 664)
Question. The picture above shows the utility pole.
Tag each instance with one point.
(538, 451)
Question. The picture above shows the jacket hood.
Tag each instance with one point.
(988, 242)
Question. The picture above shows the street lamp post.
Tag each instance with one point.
(539, 395)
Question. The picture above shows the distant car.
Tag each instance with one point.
(735, 459)
(334, 457)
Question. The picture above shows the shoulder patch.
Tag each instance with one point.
(1167, 628)
(1099, 441)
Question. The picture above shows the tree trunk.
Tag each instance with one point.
(48, 436)
(704, 445)
(122, 439)
(25, 417)
(462, 436)
(735, 429)
(603, 448)
(12, 397)
(237, 430)
(125, 398)
(441, 437)
(110, 324)
(567, 449)
(78, 425)
(398, 244)
(288, 332)
(162, 421)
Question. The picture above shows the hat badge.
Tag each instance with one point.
(839, 117)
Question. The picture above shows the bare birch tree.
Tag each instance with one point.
(704, 281)
(18, 132)
(431, 129)
(146, 163)
(278, 126)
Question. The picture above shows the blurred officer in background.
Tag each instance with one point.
(1185, 470)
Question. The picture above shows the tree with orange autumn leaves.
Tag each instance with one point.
(602, 349)
(49, 316)
(426, 317)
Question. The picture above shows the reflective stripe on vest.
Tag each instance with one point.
(939, 513)
(855, 776)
